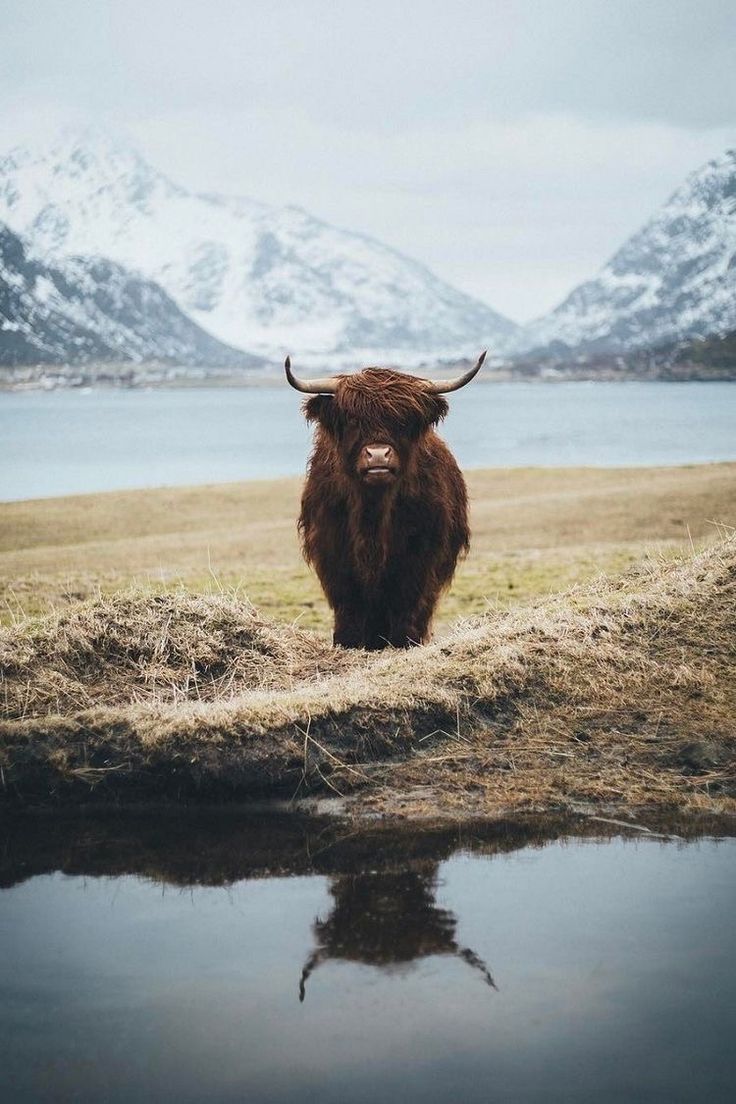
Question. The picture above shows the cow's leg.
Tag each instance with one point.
(350, 628)
(378, 624)
(409, 628)
(347, 601)
(410, 600)
(388, 625)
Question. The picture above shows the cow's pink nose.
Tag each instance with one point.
(378, 456)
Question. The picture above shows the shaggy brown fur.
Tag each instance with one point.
(383, 551)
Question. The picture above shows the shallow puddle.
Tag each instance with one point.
(234, 960)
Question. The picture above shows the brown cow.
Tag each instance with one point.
(384, 510)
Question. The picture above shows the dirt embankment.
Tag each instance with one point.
(622, 693)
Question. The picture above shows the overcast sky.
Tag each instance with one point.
(510, 144)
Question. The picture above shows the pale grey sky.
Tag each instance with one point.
(510, 144)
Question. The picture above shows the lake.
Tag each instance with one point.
(233, 958)
(70, 442)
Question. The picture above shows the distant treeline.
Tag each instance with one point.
(709, 358)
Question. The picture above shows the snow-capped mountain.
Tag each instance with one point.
(675, 278)
(85, 309)
(262, 278)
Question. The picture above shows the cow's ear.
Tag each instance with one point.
(321, 408)
(436, 408)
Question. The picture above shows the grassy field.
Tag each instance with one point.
(535, 531)
(154, 677)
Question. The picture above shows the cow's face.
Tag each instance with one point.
(375, 419)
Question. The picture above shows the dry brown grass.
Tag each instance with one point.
(620, 693)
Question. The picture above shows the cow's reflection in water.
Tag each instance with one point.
(388, 920)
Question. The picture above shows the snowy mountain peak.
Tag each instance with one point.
(257, 277)
(43, 188)
(675, 278)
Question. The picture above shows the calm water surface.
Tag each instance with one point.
(575, 971)
(70, 442)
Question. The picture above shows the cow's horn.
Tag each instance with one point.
(324, 386)
(442, 386)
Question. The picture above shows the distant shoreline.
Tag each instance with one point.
(63, 378)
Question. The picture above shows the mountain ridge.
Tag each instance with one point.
(90, 308)
(249, 273)
(272, 280)
(673, 279)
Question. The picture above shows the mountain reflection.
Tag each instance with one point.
(388, 920)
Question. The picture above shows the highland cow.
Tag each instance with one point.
(384, 513)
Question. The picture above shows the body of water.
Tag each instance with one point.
(70, 442)
(558, 973)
